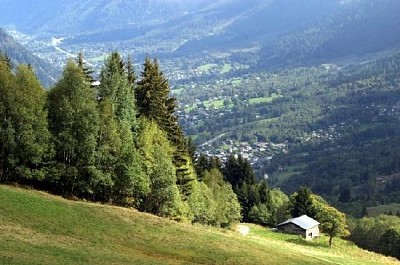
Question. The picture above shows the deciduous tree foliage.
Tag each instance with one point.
(227, 208)
(333, 222)
(23, 127)
(164, 198)
(74, 124)
(7, 83)
(29, 119)
(202, 204)
(380, 234)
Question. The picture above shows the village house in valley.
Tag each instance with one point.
(303, 225)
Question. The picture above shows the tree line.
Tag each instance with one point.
(120, 142)
(380, 234)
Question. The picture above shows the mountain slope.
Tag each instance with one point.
(38, 228)
(19, 55)
(279, 32)
(358, 28)
(262, 22)
(76, 16)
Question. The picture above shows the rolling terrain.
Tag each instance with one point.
(38, 228)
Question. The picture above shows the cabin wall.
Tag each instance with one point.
(312, 233)
(294, 229)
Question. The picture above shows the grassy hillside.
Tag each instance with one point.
(37, 228)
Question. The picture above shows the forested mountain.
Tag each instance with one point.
(356, 29)
(71, 17)
(20, 55)
(277, 33)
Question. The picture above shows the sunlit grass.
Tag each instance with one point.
(290, 171)
(262, 99)
(226, 68)
(38, 228)
(217, 103)
(207, 67)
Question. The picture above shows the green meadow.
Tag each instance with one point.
(38, 228)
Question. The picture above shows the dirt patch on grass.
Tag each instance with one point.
(244, 230)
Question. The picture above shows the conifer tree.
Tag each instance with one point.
(301, 203)
(155, 103)
(130, 71)
(124, 162)
(238, 171)
(116, 87)
(86, 70)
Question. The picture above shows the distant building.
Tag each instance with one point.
(303, 225)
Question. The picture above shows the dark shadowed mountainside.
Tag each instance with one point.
(20, 55)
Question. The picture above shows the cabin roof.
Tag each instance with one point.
(303, 221)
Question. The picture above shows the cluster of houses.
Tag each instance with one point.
(257, 153)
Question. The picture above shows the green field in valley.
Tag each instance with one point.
(38, 228)
(392, 209)
(262, 99)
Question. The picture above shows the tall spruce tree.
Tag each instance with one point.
(74, 123)
(117, 104)
(238, 172)
(85, 69)
(130, 71)
(301, 203)
(116, 87)
(155, 103)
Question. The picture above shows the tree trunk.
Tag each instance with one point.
(330, 240)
